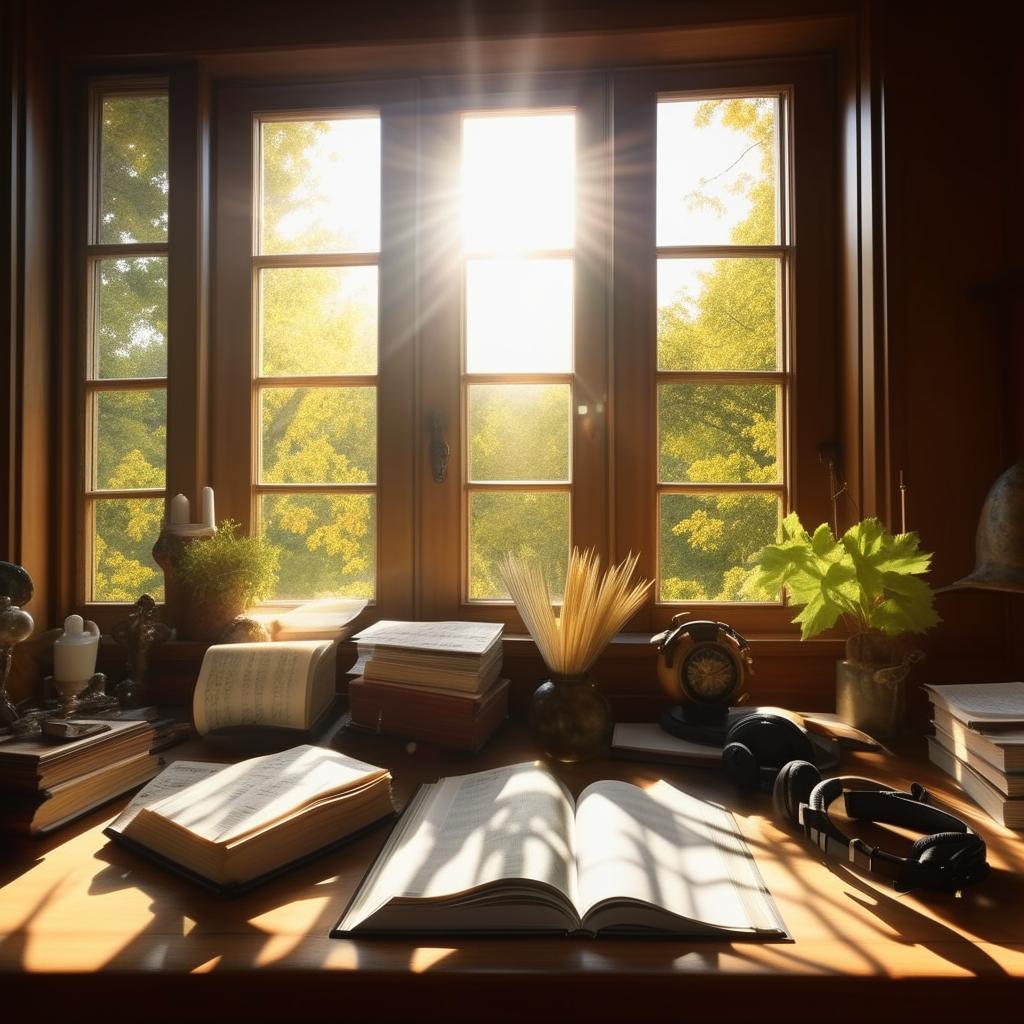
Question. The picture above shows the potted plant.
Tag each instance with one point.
(869, 579)
(221, 576)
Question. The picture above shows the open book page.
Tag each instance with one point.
(254, 684)
(448, 637)
(466, 831)
(664, 848)
(250, 795)
(174, 778)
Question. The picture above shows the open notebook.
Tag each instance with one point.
(509, 850)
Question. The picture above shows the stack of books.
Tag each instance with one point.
(435, 682)
(45, 783)
(979, 740)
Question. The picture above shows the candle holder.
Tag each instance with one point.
(138, 634)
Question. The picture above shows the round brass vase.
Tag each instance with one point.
(872, 698)
(571, 718)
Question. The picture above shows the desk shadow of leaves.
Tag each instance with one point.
(196, 920)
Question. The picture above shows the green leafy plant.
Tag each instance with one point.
(869, 578)
(229, 567)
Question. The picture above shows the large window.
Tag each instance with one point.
(451, 319)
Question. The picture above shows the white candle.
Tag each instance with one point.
(74, 652)
(208, 514)
(179, 510)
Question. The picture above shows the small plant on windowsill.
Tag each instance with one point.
(869, 579)
(222, 576)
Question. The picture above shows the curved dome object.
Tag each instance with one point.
(999, 544)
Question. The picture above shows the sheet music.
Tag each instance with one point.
(254, 684)
(451, 637)
(174, 778)
(247, 796)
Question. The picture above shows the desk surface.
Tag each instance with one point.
(76, 910)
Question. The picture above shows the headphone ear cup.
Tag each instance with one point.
(740, 766)
(938, 848)
(792, 788)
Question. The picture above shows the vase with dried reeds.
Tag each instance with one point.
(569, 714)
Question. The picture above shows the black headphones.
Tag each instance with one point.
(758, 745)
(949, 856)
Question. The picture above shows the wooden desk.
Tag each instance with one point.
(82, 919)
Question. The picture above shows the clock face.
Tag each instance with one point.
(709, 674)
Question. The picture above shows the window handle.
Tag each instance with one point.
(439, 450)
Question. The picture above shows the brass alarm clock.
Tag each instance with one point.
(704, 666)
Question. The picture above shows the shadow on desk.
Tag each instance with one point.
(82, 919)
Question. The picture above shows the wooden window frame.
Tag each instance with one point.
(810, 412)
(235, 378)
(443, 524)
(425, 522)
(91, 385)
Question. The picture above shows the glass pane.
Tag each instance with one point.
(717, 171)
(133, 170)
(328, 542)
(707, 541)
(123, 567)
(519, 432)
(517, 181)
(131, 439)
(532, 524)
(718, 433)
(319, 435)
(519, 316)
(131, 317)
(319, 320)
(320, 186)
(718, 314)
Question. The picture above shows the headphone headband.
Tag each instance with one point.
(960, 862)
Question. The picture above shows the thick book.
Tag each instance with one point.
(49, 809)
(984, 706)
(285, 686)
(455, 721)
(998, 807)
(1008, 784)
(232, 827)
(35, 763)
(1004, 749)
(509, 850)
(413, 672)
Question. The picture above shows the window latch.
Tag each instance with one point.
(439, 450)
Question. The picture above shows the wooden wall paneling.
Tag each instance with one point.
(26, 276)
(947, 192)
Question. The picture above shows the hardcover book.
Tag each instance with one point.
(232, 827)
(509, 850)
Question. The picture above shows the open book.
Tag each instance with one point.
(508, 850)
(231, 827)
(287, 685)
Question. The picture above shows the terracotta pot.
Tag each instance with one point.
(208, 619)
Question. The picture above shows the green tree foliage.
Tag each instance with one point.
(131, 342)
(719, 315)
(722, 317)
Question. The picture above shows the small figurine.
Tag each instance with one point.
(141, 631)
